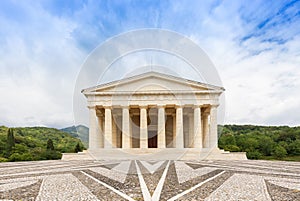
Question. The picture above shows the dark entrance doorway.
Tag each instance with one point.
(152, 139)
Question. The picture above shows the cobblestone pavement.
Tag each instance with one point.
(150, 180)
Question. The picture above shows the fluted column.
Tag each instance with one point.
(213, 137)
(108, 128)
(143, 127)
(191, 136)
(205, 131)
(197, 127)
(93, 140)
(114, 132)
(174, 130)
(161, 136)
(126, 138)
(100, 131)
(179, 128)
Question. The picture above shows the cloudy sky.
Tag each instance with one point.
(255, 46)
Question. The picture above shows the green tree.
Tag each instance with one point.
(266, 145)
(226, 139)
(10, 141)
(77, 148)
(294, 148)
(279, 152)
(247, 143)
(50, 145)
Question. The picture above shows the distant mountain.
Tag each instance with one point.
(81, 132)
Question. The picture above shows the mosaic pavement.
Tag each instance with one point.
(150, 180)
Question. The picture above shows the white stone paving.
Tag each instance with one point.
(227, 166)
(157, 192)
(186, 173)
(64, 187)
(109, 187)
(13, 185)
(122, 167)
(241, 187)
(118, 173)
(152, 168)
(285, 182)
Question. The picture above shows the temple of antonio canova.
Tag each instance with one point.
(154, 116)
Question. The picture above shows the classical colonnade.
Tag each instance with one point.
(153, 126)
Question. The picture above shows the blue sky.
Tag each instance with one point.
(255, 46)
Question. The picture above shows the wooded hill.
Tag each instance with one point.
(35, 143)
(262, 142)
(40, 143)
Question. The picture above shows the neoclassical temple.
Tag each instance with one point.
(154, 115)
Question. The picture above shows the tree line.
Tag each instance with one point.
(35, 143)
(261, 142)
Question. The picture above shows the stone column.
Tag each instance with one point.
(174, 131)
(143, 127)
(213, 135)
(108, 128)
(190, 136)
(205, 130)
(126, 138)
(114, 132)
(100, 130)
(161, 135)
(197, 127)
(130, 130)
(179, 128)
(93, 140)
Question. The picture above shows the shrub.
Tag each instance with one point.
(3, 159)
(20, 157)
(232, 148)
(78, 148)
(253, 155)
(279, 152)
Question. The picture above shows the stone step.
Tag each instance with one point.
(156, 154)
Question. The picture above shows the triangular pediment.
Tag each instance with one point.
(152, 82)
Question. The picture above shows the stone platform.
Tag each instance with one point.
(156, 154)
(150, 180)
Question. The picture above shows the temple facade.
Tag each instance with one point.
(153, 113)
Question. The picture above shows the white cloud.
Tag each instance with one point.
(255, 49)
(39, 64)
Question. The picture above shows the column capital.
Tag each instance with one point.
(125, 106)
(214, 105)
(92, 107)
(143, 106)
(178, 106)
(197, 106)
(161, 106)
(107, 107)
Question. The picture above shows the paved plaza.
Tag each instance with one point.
(150, 180)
